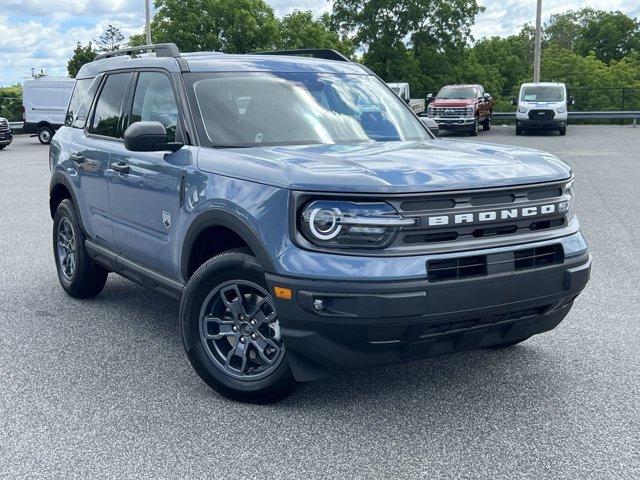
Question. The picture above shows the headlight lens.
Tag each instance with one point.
(430, 111)
(470, 111)
(568, 191)
(523, 109)
(345, 224)
(561, 109)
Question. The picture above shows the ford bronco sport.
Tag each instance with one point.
(306, 219)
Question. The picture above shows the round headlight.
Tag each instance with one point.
(323, 223)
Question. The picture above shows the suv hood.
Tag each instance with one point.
(386, 167)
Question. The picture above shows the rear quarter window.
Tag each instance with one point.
(80, 103)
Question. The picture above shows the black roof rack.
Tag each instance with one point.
(324, 53)
(160, 49)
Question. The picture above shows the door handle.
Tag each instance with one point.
(120, 167)
(76, 158)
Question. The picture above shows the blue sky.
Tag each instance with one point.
(33, 33)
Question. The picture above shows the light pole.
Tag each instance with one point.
(147, 11)
(538, 40)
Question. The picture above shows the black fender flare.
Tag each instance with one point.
(58, 178)
(223, 218)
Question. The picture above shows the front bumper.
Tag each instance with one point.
(366, 324)
(462, 123)
(6, 138)
(554, 124)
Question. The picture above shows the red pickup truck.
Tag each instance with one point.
(462, 108)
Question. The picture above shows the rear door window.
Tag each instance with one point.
(108, 111)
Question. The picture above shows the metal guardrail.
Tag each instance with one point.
(612, 115)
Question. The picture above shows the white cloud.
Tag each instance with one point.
(33, 34)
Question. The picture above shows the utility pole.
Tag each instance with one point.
(147, 11)
(538, 40)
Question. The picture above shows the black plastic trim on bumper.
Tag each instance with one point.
(541, 125)
(365, 324)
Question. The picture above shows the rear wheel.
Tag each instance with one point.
(78, 275)
(45, 134)
(231, 330)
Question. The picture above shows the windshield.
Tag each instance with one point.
(551, 93)
(253, 109)
(463, 93)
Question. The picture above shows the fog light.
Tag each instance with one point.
(318, 304)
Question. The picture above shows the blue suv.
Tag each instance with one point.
(305, 218)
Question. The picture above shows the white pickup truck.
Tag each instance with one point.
(402, 90)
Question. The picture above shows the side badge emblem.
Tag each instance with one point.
(166, 219)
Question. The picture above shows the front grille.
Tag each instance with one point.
(449, 112)
(4, 126)
(538, 257)
(457, 268)
(456, 226)
(462, 268)
(538, 114)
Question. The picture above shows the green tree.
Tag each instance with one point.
(398, 36)
(81, 54)
(610, 35)
(231, 26)
(110, 40)
(301, 30)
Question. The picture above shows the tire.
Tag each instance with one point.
(486, 124)
(474, 130)
(45, 134)
(519, 131)
(563, 131)
(214, 325)
(78, 275)
(507, 344)
(2, 147)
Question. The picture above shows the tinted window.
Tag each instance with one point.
(107, 114)
(456, 92)
(79, 104)
(539, 93)
(154, 101)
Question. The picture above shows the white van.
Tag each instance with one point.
(542, 106)
(44, 105)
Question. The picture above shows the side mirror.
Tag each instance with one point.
(572, 101)
(407, 101)
(514, 101)
(487, 96)
(148, 137)
(431, 124)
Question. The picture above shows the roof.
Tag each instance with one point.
(544, 84)
(220, 62)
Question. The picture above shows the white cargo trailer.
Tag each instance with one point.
(44, 105)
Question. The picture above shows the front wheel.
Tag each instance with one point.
(474, 129)
(45, 134)
(518, 131)
(508, 344)
(486, 124)
(563, 131)
(231, 331)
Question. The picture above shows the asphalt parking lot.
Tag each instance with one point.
(102, 388)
